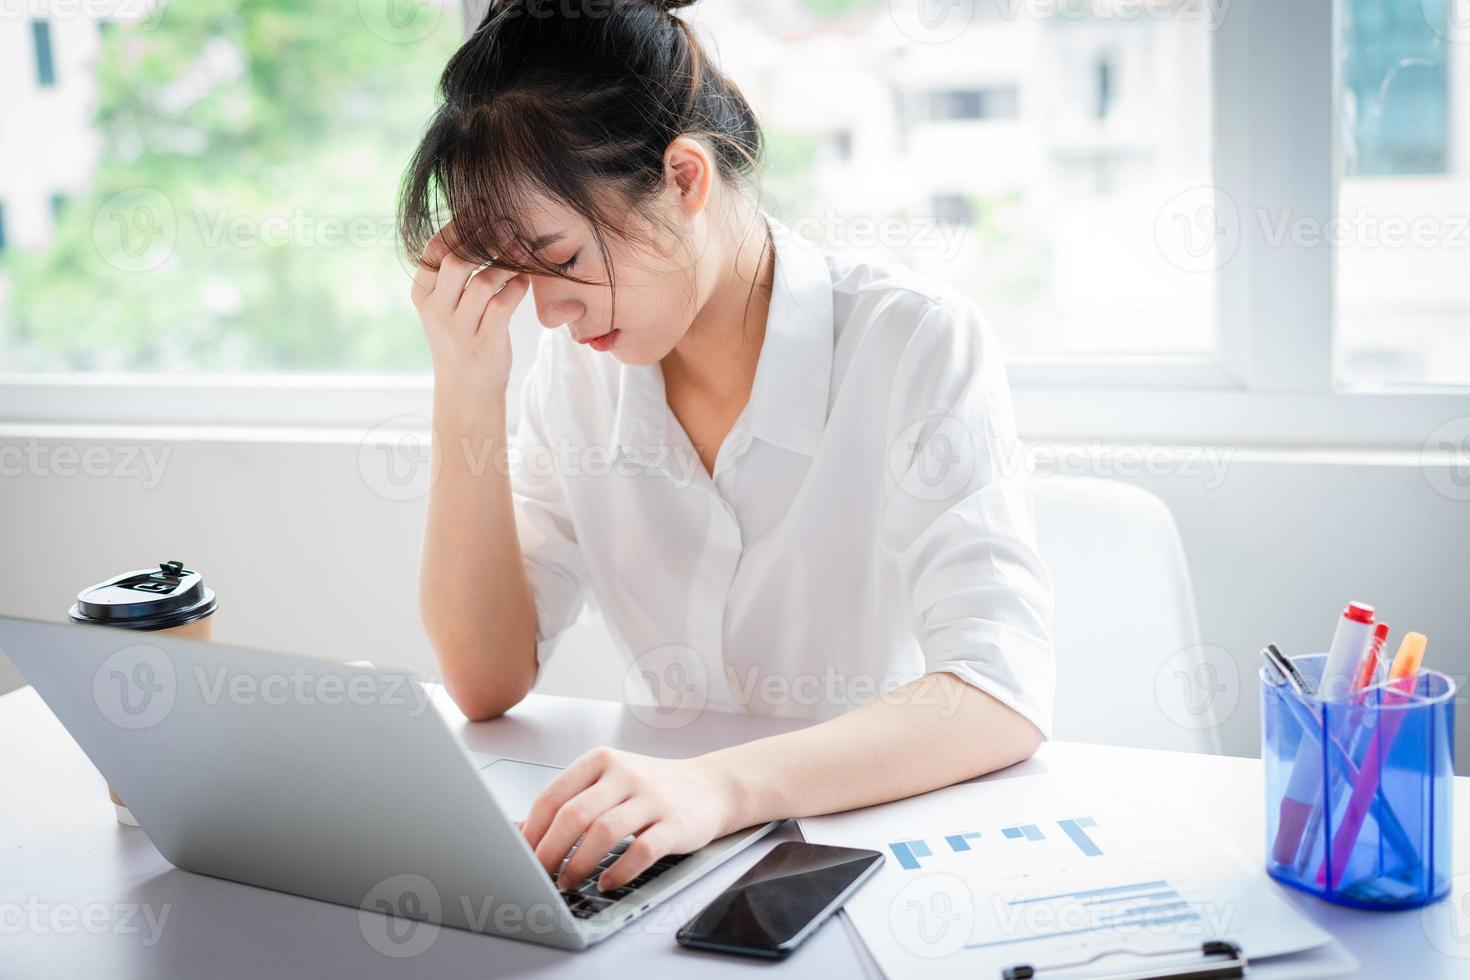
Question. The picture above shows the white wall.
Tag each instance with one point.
(302, 552)
(1288, 539)
(306, 556)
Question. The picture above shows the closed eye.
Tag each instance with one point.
(567, 265)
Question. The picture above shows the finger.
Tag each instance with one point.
(439, 245)
(454, 274)
(509, 297)
(427, 271)
(478, 293)
(576, 817)
(583, 772)
(652, 844)
(628, 817)
(423, 283)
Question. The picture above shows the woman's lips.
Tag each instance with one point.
(603, 343)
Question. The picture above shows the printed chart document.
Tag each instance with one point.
(1058, 873)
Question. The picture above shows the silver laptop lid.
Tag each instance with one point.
(311, 777)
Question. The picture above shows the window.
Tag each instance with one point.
(45, 62)
(1147, 200)
(842, 144)
(1104, 87)
(953, 209)
(978, 103)
(229, 173)
(1395, 99)
(1403, 278)
(1022, 151)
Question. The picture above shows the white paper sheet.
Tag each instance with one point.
(1052, 871)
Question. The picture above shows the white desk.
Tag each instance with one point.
(72, 881)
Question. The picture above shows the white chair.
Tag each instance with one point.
(1130, 667)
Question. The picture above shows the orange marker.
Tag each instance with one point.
(1407, 661)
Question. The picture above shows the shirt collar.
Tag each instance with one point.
(793, 377)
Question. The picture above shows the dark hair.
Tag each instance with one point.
(569, 98)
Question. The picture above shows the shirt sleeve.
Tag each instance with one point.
(959, 521)
(549, 547)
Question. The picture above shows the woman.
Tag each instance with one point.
(788, 480)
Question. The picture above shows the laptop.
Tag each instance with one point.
(331, 781)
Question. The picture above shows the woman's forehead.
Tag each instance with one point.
(540, 221)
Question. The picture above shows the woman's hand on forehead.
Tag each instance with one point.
(465, 310)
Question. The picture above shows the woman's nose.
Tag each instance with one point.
(553, 310)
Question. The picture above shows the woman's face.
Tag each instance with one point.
(659, 286)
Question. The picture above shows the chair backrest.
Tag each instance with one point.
(1130, 666)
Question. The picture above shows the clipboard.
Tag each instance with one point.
(1222, 960)
(1329, 960)
(1068, 877)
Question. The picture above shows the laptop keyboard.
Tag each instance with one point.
(586, 900)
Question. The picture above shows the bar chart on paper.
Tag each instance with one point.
(910, 853)
(1040, 866)
(980, 878)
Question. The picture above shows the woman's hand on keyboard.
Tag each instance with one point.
(671, 806)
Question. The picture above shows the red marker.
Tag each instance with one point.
(1368, 669)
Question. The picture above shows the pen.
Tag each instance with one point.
(1368, 669)
(1301, 708)
(1401, 680)
(1367, 677)
(1287, 670)
(1310, 720)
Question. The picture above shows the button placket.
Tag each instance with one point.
(722, 553)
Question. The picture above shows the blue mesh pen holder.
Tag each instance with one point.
(1359, 791)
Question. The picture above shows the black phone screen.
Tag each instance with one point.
(771, 908)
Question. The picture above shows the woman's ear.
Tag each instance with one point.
(691, 174)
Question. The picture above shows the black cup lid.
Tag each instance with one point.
(146, 599)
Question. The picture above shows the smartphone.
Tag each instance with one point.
(771, 908)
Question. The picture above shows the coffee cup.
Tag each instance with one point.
(168, 599)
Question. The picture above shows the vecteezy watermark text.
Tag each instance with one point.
(303, 687)
(896, 232)
(93, 918)
(396, 459)
(1207, 465)
(137, 687)
(138, 14)
(38, 459)
(1210, 12)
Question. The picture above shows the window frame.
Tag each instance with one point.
(1269, 381)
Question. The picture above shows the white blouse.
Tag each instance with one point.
(868, 521)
